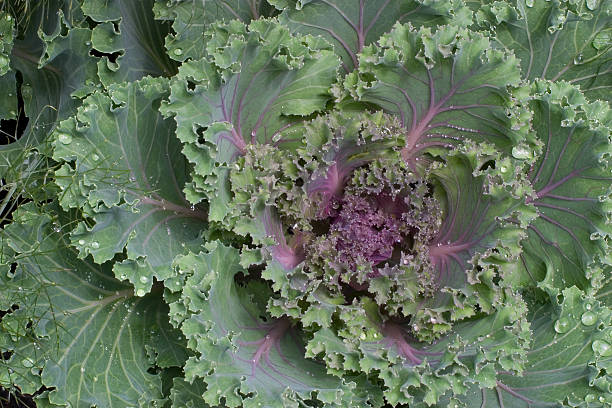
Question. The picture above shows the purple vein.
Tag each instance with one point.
(246, 91)
(566, 198)
(233, 102)
(231, 10)
(344, 16)
(513, 393)
(376, 16)
(168, 206)
(564, 228)
(567, 210)
(336, 37)
(360, 36)
(263, 113)
(561, 154)
(476, 88)
(550, 51)
(175, 182)
(135, 223)
(409, 13)
(550, 187)
(236, 140)
(145, 242)
(535, 180)
(432, 90)
(410, 102)
(464, 107)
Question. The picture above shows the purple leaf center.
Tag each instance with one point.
(365, 231)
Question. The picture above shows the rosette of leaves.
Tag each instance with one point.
(338, 203)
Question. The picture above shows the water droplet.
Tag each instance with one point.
(82, 369)
(81, 242)
(64, 138)
(592, 4)
(362, 336)
(178, 51)
(588, 306)
(602, 348)
(144, 279)
(95, 157)
(141, 292)
(578, 59)
(88, 43)
(95, 245)
(588, 318)
(529, 3)
(521, 153)
(589, 398)
(503, 169)
(27, 362)
(562, 325)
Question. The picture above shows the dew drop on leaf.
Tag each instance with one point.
(144, 279)
(592, 4)
(95, 157)
(562, 325)
(529, 3)
(27, 362)
(588, 318)
(95, 245)
(521, 153)
(178, 51)
(602, 348)
(578, 59)
(81, 242)
(64, 138)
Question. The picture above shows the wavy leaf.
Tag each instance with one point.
(191, 19)
(90, 338)
(128, 177)
(568, 364)
(240, 347)
(350, 25)
(567, 41)
(128, 30)
(259, 85)
(56, 69)
(572, 191)
(445, 86)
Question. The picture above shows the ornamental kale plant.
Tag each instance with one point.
(306, 203)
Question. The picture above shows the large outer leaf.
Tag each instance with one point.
(258, 85)
(352, 24)
(244, 355)
(445, 87)
(191, 19)
(484, 221)
(419, 373)
(568, 364)
(90, 337)
(137, 36)
(55, 66)
(556, 40)
(128, 176)
(572, 184)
